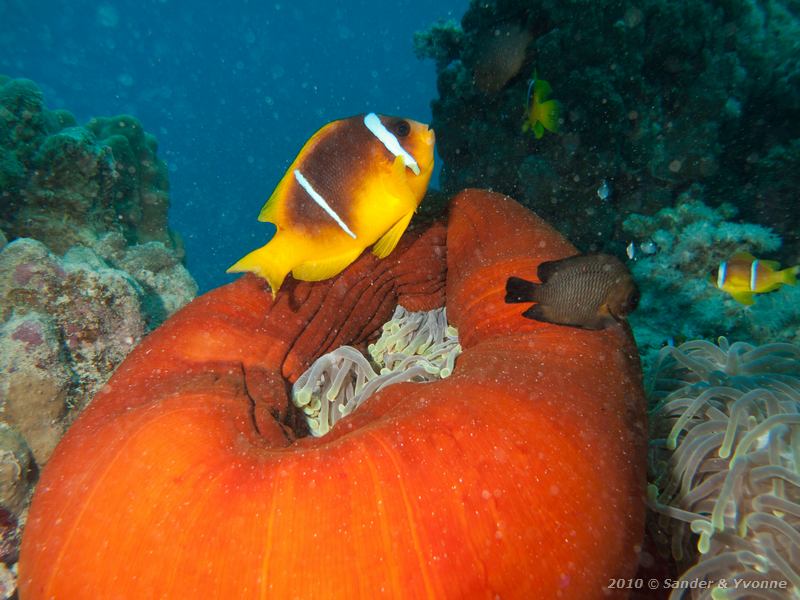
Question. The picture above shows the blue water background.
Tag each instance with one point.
(231, 90)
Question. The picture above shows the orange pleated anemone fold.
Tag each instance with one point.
(520, 476)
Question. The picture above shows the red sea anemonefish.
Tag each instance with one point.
(519, 476)
(356, 183)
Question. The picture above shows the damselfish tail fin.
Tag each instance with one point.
(520, 290)
(266, 263)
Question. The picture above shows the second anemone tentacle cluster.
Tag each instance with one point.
(725, 454)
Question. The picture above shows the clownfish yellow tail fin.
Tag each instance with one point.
(789, 276)
(267, 262)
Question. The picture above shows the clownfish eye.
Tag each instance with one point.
(402, 128)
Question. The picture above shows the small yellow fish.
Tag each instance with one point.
(356, 182)
(540, 113)
(744, 275)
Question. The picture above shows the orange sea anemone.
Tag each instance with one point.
(520, 476)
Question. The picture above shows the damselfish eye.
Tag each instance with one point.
(402, 128)
(633, 300)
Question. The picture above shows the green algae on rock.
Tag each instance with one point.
(65, 185)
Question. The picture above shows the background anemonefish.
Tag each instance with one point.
(355, 183)
(744, 275)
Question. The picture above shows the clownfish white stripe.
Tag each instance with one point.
(388, 139)
(723, 271)
(321, 202)
(753, 274)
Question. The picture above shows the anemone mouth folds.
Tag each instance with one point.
(521, 474)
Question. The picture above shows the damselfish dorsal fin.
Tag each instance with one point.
(317, 270)
(546, 269)
(384, 246)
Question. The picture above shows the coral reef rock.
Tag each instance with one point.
(88, 265)
(65, 324)
(656, 95)
(63, 184)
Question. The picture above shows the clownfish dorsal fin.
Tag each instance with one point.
(743, 256)
(771, 264)
(269, 212)
(384, 246)
(317, 270)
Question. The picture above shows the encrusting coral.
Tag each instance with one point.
(725, 465)
(413, 346)
(91, 264)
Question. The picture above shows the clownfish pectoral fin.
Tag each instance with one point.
(538, 130)
(396, 182)
(745, 298)
(317, 270)
(384, 246)
(265, 263)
